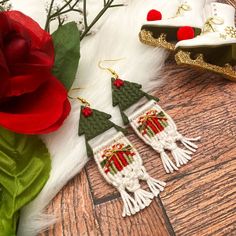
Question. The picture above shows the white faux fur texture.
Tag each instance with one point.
(117, 37)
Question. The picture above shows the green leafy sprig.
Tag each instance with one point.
(4, 5)
(107, 4)
(59, 13)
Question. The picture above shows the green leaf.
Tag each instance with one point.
(67, 49)
(24, 169)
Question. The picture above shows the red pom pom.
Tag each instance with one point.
(154, 15)
(185, 32)
(118, 83)
(87, 111)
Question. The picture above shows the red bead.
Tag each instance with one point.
(185, 33)
(154, 15)
(87, 111)
(118, 83)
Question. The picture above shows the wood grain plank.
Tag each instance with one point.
(74, 208)
(200, 200)
(146, 223)
(232, 2)
(204, 203)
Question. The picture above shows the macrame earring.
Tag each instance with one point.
(155, 127)
(117, 159)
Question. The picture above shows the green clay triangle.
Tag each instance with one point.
(127, 95)
(95, 124)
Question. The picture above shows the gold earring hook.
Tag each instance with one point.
(82, 100)
(108, 68)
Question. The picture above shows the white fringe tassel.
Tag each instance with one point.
(168, 165)
(130, 205)
(156, 186)
(166, 139)
(188, 143)
(127, 180)
(143, 198)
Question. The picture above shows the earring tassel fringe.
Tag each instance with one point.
(157, 129)
(121, 165)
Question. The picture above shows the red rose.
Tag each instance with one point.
(32, 100)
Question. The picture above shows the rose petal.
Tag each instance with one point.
(40, 39)
(37, 57)
(4, 72)
(37, 62)
(17, 49)
(4, 26)
(23, 84)
(36, 112)
(59, 123)
(35, 52)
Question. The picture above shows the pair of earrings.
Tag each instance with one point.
(117, 159)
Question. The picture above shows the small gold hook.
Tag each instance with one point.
(82, 100)
(108, 68)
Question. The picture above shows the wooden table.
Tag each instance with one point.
(199, 200)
